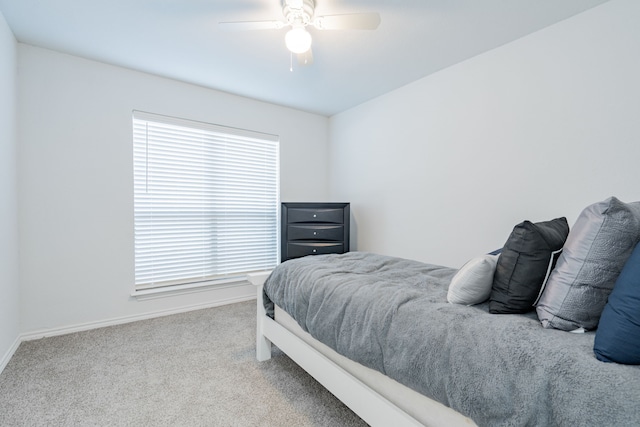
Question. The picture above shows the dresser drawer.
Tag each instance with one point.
(316, 232)
(335, 216)
(301, 249)
(313, 229)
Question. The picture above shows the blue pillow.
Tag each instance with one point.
(618, 335)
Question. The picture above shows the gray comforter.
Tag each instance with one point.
(391, 315)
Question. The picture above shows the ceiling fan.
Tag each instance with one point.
(299, 14)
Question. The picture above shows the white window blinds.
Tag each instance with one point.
(205, 201)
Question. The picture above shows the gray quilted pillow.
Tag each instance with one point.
(596, 249)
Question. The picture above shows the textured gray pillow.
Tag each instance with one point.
(596, 249)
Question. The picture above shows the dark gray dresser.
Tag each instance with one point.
(314, 229)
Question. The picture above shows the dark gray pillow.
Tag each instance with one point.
(524, 264)
(597, 248)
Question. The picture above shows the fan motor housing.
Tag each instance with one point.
(298, 12)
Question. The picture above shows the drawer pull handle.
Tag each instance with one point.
(314, 215)
(314, 251)
(315, 233)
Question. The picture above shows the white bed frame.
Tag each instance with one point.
(367, 403)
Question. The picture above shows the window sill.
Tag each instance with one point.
(170, 291)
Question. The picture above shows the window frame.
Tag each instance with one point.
(216, 139)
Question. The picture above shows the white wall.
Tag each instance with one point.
(439, 170)
(9, 286)
(442, 169)
(76, 180)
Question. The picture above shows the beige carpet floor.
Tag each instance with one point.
(190, 369)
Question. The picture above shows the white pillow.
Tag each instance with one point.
(472, 283)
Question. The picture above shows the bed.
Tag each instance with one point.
(378, 332)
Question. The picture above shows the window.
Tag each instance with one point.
(205, 202)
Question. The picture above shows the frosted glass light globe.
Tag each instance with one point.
(298, 40)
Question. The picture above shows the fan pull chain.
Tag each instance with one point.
(291, 62)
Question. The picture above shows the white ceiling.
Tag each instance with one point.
(180, 39)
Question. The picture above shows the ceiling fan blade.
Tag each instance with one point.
(251, 25)
(305, 58)
(351, 21)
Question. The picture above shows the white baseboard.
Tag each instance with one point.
(9, 354)
(126, 319)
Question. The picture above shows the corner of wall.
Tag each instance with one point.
(9, 272)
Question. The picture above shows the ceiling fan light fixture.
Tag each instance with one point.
(298, 40)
